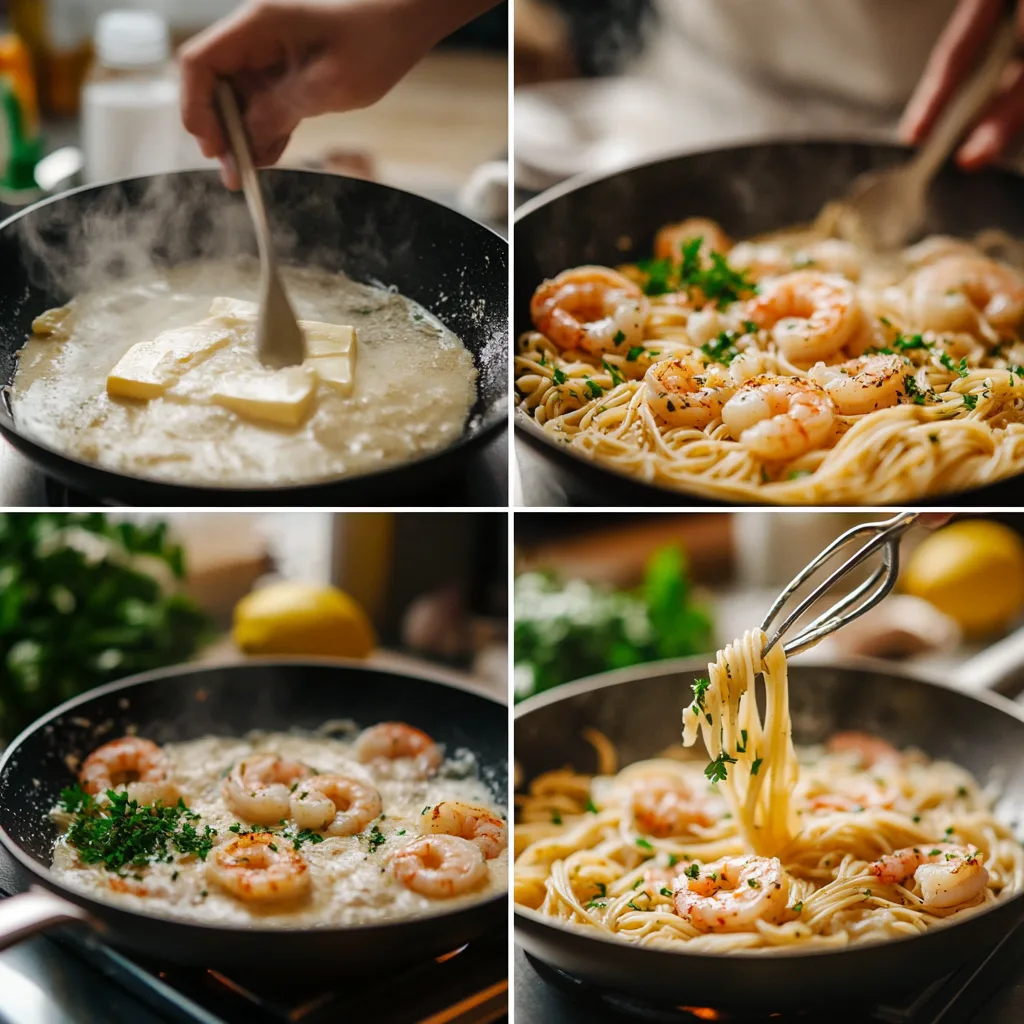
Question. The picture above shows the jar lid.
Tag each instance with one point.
(131, 39)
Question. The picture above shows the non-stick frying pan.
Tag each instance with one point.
(453, 266)
(640, 711)
(186, 703)
(750, 190)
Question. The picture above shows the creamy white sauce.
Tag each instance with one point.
(351, 884)
(414, 384)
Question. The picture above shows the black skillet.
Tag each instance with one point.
(639, 710)
(185, 703)
(456, 268)
(750, 190)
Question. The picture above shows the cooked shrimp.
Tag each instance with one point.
(477, 824)
(669, 241)
(440, 866)
(862, 385)
(590, 308)
(935, 248)
(686, 394)
(335, 805)
(390, 741)
(949, 875)
(258, 788)
(956, 292)
(769, 259)
(733, 894)
(666, 806)
(779, 418)
(259, 868)
(137, 765)
(870, 750)
(811, 315)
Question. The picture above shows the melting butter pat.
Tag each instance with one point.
(283, 397)
(330, 348)
(149, 368)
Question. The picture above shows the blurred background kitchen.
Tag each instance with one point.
(89, 598)
(89, 92)
(606, 591)
(603, 84)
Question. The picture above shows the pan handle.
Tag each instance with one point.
(35, 911)
(999, 668)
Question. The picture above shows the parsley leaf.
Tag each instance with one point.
(558, 376)
(716, 771)
(616, 377)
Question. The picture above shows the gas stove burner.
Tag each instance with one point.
(653, 1013)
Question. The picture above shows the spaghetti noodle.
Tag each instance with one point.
(768, 847)
(795, 368)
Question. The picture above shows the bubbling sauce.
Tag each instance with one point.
(414, 384)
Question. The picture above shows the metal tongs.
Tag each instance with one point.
(884, 536)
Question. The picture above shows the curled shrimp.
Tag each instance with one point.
(477, 824)
(666, 806)
(440, 866)
(684, 393)
(590, 308)
(138, 765)
(389, 741)
(669, 241)
(869, 750)
(258, 789)
(335, 805)
(862, 385)
(949, 875)
(811, 315)
(259, 868)
(733, 894)
(959, 292)
(779, 418)
(770, 259)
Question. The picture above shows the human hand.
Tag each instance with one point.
(292, 59)
(953, 58)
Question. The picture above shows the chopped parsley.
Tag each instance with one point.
(672, 860)
(904, 343)
(741, 748)
(693, 871)
(970, 401)
(700, 688)
(665, 891)
(558, 376)
(634, 353)
(756, 766)
(594, 390)
(914, 393)
(619, 338)
(616, 377)
(591, 806)
(798, 474)
(375, 838)
(960, 369)
(123, 833)
(753, 883)
(717, 770)
(644, 844)
(797, 907)
(556, 818)
(718, 283)
(721, 349)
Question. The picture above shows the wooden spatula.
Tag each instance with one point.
(279, 340)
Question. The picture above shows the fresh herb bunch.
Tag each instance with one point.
(567, 631)
(122, 834)
(85, 600)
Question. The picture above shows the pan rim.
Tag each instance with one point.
(492, 420)
(43, 874)
(546, 445)
(670, 666)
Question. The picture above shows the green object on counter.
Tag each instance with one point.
(565, 631)
(19, 150)
(83, 601)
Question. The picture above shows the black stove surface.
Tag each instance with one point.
(482, 484)
(68, 978)
(989, 990)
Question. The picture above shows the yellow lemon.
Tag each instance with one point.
(302, 619)
(973, 571)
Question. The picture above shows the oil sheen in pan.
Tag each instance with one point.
(414, 384)
(351, 882)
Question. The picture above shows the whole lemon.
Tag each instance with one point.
(973, 571)
(302, 619)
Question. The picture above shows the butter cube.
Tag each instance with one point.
(327, 339)
(233, 309)
(337, 372)
(149, 368)
(284, 397)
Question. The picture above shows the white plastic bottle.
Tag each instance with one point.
(131, 123)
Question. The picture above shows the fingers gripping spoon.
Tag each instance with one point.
(279, 340)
